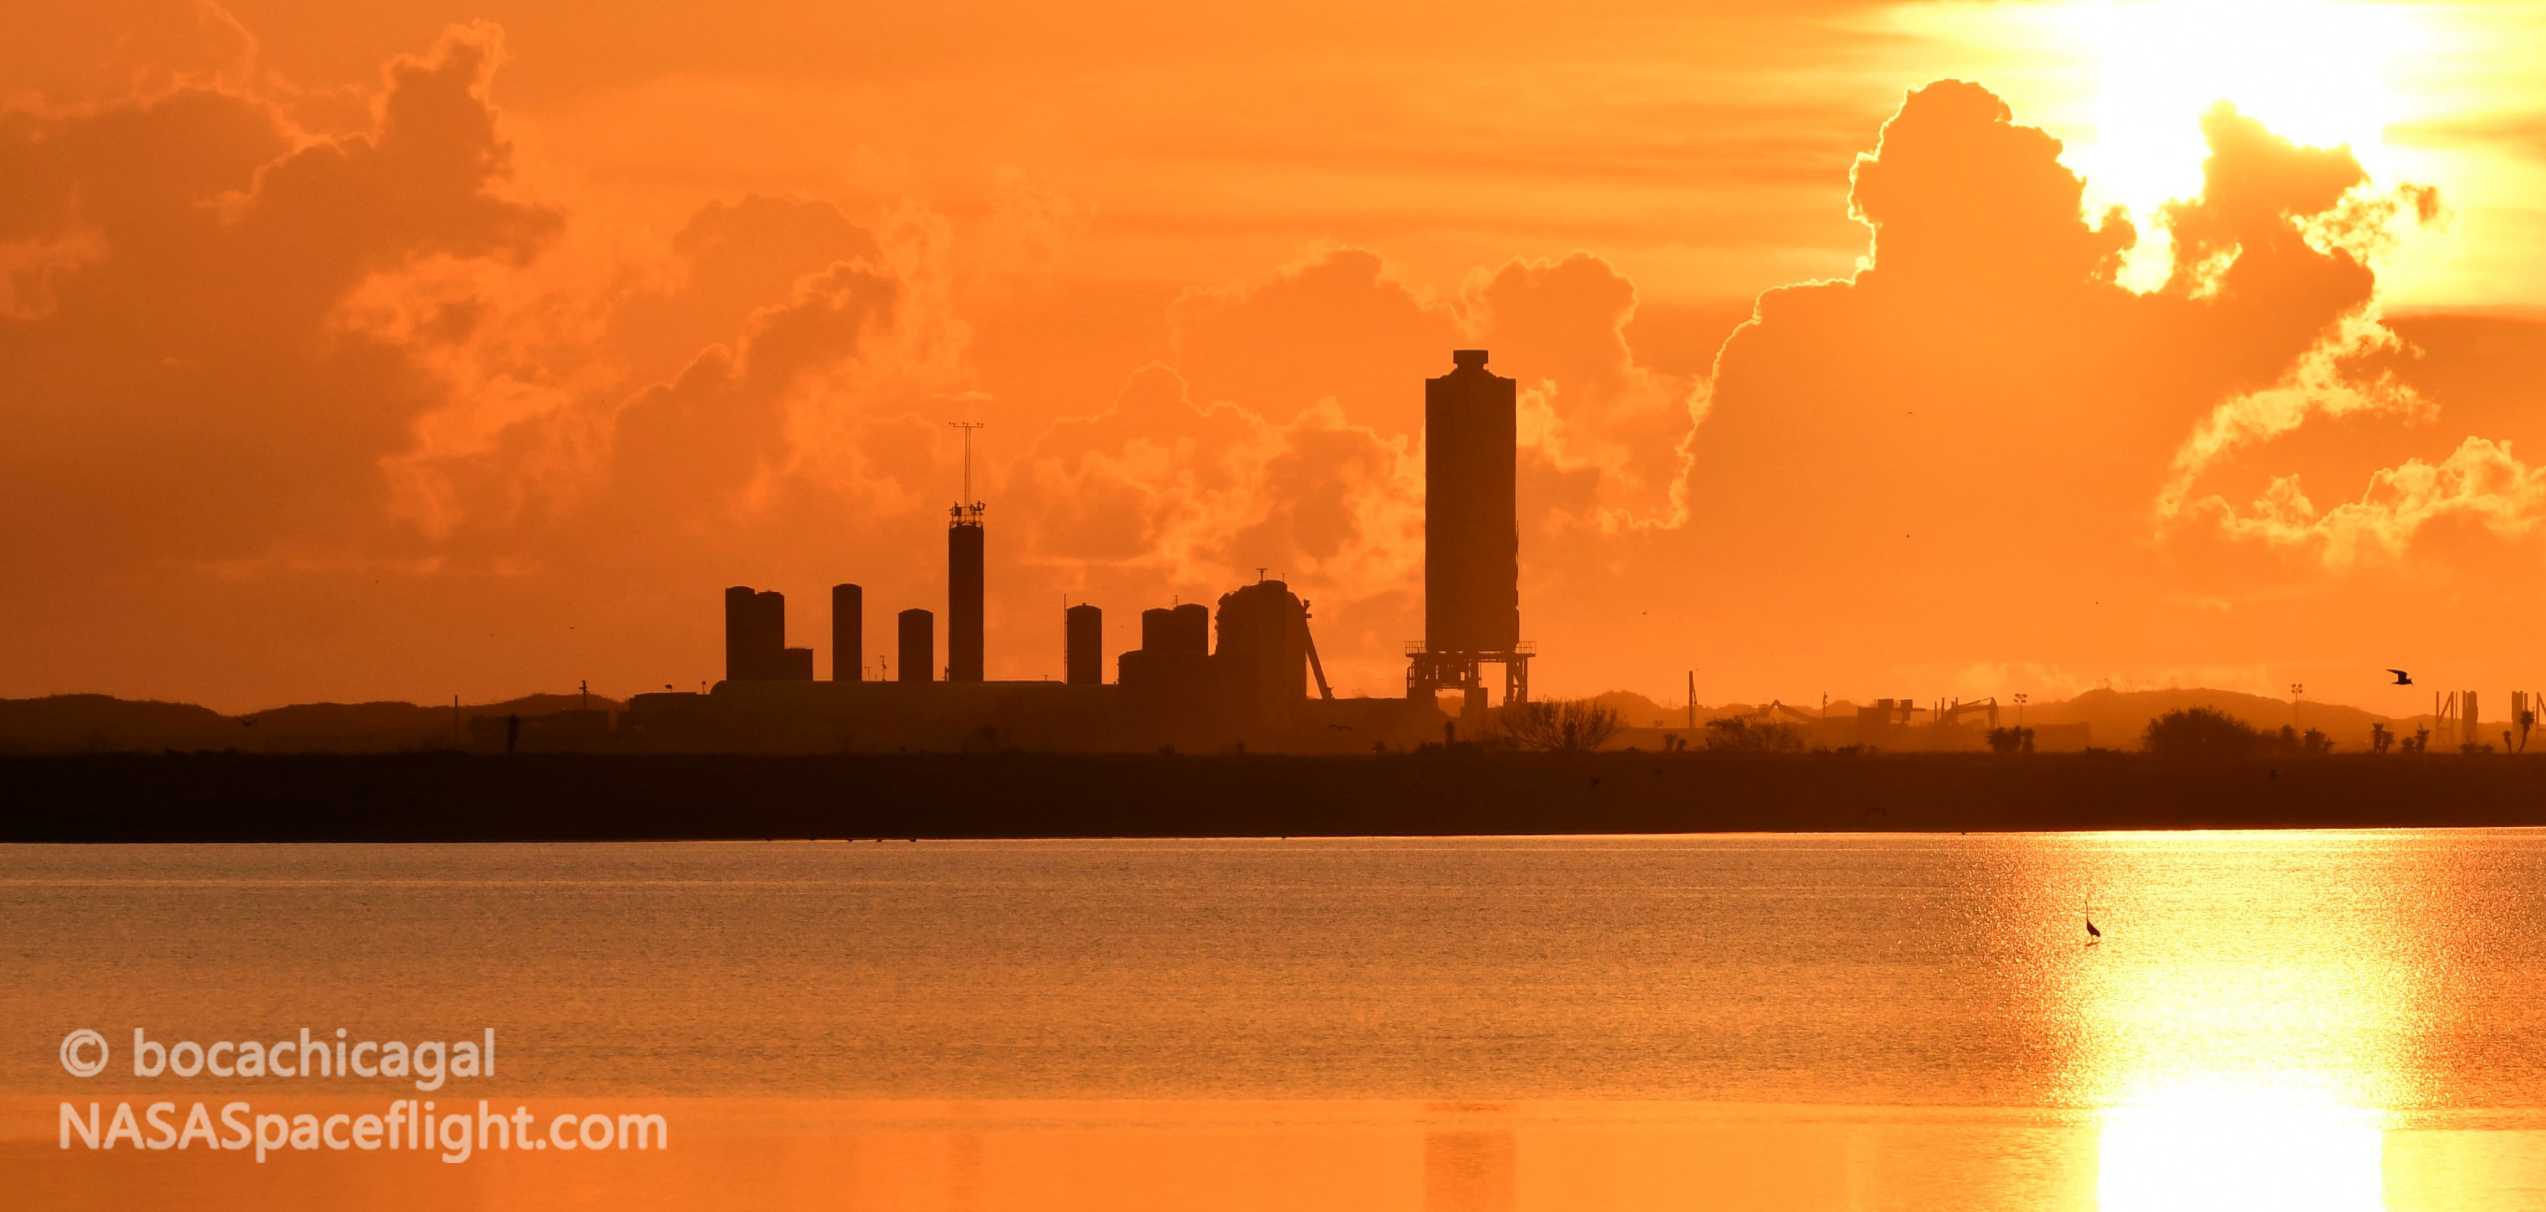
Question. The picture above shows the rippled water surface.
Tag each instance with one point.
(2270, 1019)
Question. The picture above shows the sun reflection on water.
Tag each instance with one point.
(2231, 1144)
(2250, 1055)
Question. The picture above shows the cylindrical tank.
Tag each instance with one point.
(1471, 530)
(795, 665)
(963, 601)
(848, 633)
(919, 646)
(1189, 630)
(738, 617)
(1155, 625)
(768, 634)
(1263, 656)
(1083, 632)
(755, 634)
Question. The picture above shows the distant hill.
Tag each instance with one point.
(90, 722)
(1636, 711)
(87, 723)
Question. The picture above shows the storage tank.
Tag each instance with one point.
(795, 665)
(1083, 636)
(1189, 630)
(769, 634)
(1262, 662)
(755, 634)
(1155, 625)
(919, 646)
(738, 651)
(848, 633)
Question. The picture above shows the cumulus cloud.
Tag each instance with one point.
(2343, 375)
(1197, 491)
(1964, 202)
(2480, 482)
(1984, 413)
(68, 52)
(184, 384)
(1603, 435)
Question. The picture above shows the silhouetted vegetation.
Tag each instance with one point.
(2199, 732)
(1575, 726)
(2010, 740)
(1734, 734)
(2203, 734)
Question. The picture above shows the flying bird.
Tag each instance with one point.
(2402, 678)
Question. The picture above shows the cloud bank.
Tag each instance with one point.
(350, 412)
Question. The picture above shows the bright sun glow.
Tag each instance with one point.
(2125, 83)
(2218, 1143)
(2322, 74)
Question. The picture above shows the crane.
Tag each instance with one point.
(1315, 666)
(1954, 714)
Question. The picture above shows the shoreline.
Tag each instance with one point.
(456, 797)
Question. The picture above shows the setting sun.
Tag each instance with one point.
(2126, 84)
(2325, 75)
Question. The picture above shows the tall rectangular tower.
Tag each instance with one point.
(848, 633)
(1471, 533)
(963, 575)
(963, 595)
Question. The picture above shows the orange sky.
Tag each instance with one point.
(397, 350)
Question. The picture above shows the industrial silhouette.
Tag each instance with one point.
(919, 642)
(756, 639)
(1243, 673)
(1471, 537)
(964, 581)
(848, 634)
(1261, 684)
(1083, 645)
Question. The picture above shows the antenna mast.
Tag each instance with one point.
(967, 509)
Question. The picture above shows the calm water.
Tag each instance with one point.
(2291, 1019)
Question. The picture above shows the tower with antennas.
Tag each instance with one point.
(964, 582)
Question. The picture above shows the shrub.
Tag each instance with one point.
(2200, 732)
(1575, 726)
(2010, 740)
(1734, 734)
